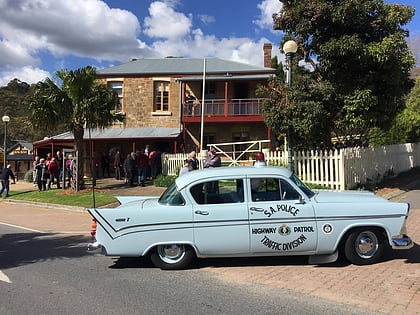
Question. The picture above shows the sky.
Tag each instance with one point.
(40, 37)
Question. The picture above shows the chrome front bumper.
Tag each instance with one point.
(402, 242)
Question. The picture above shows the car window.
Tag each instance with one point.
(272, 189)
(219, 191)
(302, 186)
(287, 191)
(265, 189)
(171, 196)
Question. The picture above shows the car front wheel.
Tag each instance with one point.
(364, 246)
(172, 256)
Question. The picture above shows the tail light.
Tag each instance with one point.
(93, 228)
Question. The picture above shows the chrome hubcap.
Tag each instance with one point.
(366, 244)
(171, 253)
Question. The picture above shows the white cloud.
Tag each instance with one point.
(34, 31)
(79, 27)
(13, 54)
(26, 74)
(206, 19)
(82, 28)
(161, 16)
(199, 45)
(267, 8)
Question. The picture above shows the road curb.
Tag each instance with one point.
(48, 205)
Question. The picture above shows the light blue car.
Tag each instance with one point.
(250, 211)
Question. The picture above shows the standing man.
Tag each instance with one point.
(213, 160)
(6, 173)
(142, 163)
(117, 165)
(59, 160)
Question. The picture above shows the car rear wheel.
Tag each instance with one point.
(172, 256)
(364, 246)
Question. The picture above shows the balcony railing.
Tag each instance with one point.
(224, 108)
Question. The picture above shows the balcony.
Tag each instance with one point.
(221, 110)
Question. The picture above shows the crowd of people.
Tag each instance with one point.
(49, 171)
(138, 167)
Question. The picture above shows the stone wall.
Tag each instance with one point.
(137, 103)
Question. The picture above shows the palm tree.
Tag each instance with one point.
(80, 103)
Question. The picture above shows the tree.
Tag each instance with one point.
(12, 103)
(359, 67)
(405, 128)
(80, 102)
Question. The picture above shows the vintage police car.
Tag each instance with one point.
(250, 211)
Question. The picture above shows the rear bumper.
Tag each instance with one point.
(94, 246)
(402, 242)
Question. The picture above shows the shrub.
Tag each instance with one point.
(277, 163)
(29, 176)
(316, 186)
(164, 181)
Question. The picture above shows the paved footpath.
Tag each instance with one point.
(391, 286)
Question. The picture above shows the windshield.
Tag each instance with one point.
(302, 186)
(171, 196)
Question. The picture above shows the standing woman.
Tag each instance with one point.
(34, 164)
(42, 175)
(54, 171)
(193, 160)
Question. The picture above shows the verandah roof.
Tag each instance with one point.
(146, 133)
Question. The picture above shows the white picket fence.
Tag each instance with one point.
(337, 169)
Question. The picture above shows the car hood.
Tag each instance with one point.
(326, 196)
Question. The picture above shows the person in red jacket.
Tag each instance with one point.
(54, 172)
(142, 162)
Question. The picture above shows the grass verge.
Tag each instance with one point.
(64, 197)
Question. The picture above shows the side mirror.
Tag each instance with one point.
(301, 200)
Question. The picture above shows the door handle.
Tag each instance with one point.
(256, 209)
(201, 212)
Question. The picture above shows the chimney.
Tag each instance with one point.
(267, 54)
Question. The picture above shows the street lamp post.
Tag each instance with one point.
(290, 48)
(5, 120)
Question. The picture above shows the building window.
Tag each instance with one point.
(161, 89)
(209, 138)
(117, 86)
(210, 93)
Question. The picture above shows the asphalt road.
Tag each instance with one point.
(45, 273)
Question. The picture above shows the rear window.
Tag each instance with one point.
(171, 196)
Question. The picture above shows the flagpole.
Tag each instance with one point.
(202, 105)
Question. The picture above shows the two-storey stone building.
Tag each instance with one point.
(183, 100)
(210, 98)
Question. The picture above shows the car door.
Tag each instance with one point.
(221, 223)
(281, 221)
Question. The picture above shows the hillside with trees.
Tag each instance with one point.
(14, 103)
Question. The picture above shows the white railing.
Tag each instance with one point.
(336, 169)
(172, 163)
